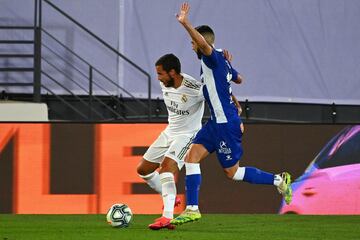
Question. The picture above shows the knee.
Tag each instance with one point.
(196, 153)
(187, 158)
(142, 170)
(169, 166)
(229, 174)
(191, 157)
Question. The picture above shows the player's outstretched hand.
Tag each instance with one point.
(182, 16)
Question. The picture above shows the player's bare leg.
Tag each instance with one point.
(147, 171)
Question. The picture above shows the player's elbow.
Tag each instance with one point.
(239, 79)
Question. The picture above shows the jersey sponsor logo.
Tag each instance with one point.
(174, 104)
(174, 108)
(177, 111)
(224, 149)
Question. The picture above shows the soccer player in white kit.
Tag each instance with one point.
(184, 101)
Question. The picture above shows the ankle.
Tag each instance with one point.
(192, 207)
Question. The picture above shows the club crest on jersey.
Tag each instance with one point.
(223, 148)
(229, 77)
(184, 98)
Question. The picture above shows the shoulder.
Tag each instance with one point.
(218, 54)
(190, 82)
(218, 51)
(215, 53)
(213, 59)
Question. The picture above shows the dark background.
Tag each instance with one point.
(270, 147)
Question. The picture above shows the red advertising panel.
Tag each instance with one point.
(114, 170)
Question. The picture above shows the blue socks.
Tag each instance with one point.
(192, 183)
(192, 189)
(257, 176)
(193, 180)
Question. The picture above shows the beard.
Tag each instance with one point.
(170, 83)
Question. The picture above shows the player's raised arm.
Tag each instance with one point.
(182, 17)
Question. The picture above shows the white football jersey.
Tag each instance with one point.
(185, 106)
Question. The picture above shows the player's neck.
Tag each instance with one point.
(178, 80)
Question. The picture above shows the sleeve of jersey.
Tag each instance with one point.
(234, 74)
(201, 94)
(211, 61)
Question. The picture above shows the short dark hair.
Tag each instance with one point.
(168, 62)
(206, 32)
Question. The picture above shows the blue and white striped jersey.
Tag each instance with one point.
(216, 74)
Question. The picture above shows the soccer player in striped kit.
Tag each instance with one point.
(222, 133)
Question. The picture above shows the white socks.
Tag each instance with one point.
(164, 184)
(192, 168)
(239, 175)
(168, 193)
(277, 180)
(153, 180)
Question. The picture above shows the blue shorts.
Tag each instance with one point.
(224, 138)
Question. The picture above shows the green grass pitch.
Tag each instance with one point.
(210, 226)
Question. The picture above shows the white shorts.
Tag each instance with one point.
(171, 147)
